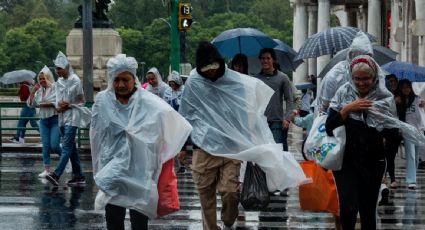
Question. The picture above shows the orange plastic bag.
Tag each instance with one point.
(168, 200)
(321, 195)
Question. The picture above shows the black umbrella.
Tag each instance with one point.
(284, 54)
(328, 41)
(381, 54)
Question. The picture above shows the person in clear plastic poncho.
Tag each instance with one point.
(43, 95)
(226, 111)
(366, 108)
(156, 85)
(69, 104)
(173, 94)
(339, 74)
(132, 134)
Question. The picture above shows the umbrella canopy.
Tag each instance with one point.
(328, 41)
(247, 41)
(381, 54)
(284, 54)
(304, 85)
(406, 70)
(17, 76)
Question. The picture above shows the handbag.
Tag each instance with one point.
(168, 196)
(321, 194)
(327, 151)
(255, 193)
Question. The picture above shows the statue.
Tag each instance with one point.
(100, 20)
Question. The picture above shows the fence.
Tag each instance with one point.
(82, 133)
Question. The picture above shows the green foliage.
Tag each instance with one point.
(4, 61)
(132, 42)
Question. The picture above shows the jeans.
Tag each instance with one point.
(115, 218)
(69, 152)
(280, 134)
(412, 161)
(25, 112)
(49, 132)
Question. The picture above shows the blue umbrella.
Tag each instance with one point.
(406, 70)
(247, 41)
(328, 41)
(304, 85)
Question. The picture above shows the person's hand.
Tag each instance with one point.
(182, 156)
(35, 88)
(422, 103)
(359, 104)
(397, 100)
(285, 124)
(63, 105)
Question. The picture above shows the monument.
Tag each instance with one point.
(106, 43)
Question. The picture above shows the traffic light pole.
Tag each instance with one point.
(175, 36)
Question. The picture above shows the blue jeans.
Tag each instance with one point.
(412, 161)
(69, 152)
(280, 134)
(49, 132)
(25, 112)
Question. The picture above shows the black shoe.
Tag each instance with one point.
(52, 178)
(385, 194)
(181, 169)
(77, 181)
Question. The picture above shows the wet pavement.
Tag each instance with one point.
(27, 202)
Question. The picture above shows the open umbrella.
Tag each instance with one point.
(284, 54)
(381, 54)
(328, 41)
(17, 76)
(247, 41)
(305, 85)
(406, 70)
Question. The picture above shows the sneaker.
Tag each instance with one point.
(53, 178)
(43, 174)
(14, 140)
(394, 184)
(77, 181)
(21, 140)
(411, 186)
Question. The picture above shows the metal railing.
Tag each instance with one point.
(82, 133)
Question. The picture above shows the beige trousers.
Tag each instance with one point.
(211, 173)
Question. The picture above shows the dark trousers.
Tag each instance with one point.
(391, 149)
(115, 216)
(280, 134)
(358, 189)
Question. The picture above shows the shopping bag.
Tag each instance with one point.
(325, 150)
(321, 194)
(255, 194)
(168, 196)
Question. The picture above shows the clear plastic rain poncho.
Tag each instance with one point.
(159, 90)
(339, 74)
(45, 95)
(129, 143)
(228, 120)
(173, 97)
(69, 90)
(383, 112)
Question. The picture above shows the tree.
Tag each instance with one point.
(22, 49)
(4, 61)
(132, 42)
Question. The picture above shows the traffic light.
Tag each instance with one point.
(185, 16)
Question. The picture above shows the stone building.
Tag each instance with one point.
(397, 24)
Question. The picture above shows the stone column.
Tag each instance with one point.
(374, 23)
(323, 24)
(106, 44)
(312, 29)
(299, 37)
(395, 21)
(341, 13)
(361, 18)
(419, 30)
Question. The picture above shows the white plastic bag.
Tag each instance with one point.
(325, 150)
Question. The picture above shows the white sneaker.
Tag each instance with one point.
(43, 174)
(412, 186)
(68, 167)
(21, 140)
